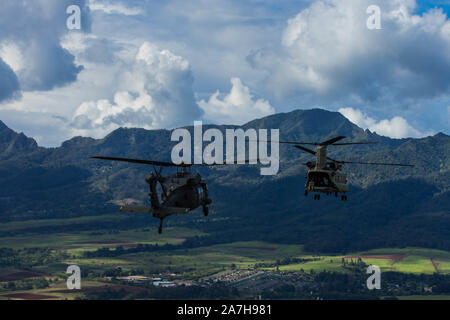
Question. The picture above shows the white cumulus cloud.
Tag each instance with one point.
(114, 8)
(154, 92)
(30, 43)
(11, 55)
(329, 56)
(237, 107)
(397, 127)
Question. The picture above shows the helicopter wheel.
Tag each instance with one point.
(205, 211)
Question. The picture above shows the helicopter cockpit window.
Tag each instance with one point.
(320, 179)
(201, 193)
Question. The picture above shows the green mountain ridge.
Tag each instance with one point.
(387, 206)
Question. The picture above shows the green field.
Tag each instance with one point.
(407, 260)
(204, 260)
(193, 263)
(82, 241)
(212, 258)
(22, 225)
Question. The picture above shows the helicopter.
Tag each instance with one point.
(325, 174)
(177, 193)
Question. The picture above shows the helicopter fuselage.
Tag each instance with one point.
(324, 176)
(177, 193)
(326, 181)
(180, 190)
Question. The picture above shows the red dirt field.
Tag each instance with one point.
(256, 248)
(19, 276)
(394, 257)
(28, 296)
(435, 265)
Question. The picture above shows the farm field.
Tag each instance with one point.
(78, 242)
(203, 260)
(176, 263)
(407, 260)
(59, 291)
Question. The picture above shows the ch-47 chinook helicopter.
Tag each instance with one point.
(325, 174)
(180, 192)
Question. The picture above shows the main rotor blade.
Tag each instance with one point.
(331, 141)
(150, 162)
(295, 142)
(171, 164)
(377, 163)
(352, 143)
(312, 152)
(306, 150)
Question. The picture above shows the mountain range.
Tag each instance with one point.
(387, 206)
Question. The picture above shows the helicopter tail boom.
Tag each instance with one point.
(141, 209)
(164, 211)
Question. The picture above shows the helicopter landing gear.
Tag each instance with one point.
(317, 197)
(160, 226)
(306, 193)
(205, 211)
(344, 197)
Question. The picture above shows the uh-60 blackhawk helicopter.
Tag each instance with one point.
(177, 193)
(325, 174)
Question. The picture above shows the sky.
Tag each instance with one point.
(164, 64)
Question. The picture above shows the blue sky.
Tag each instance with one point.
(423, 5)
(163, 64)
